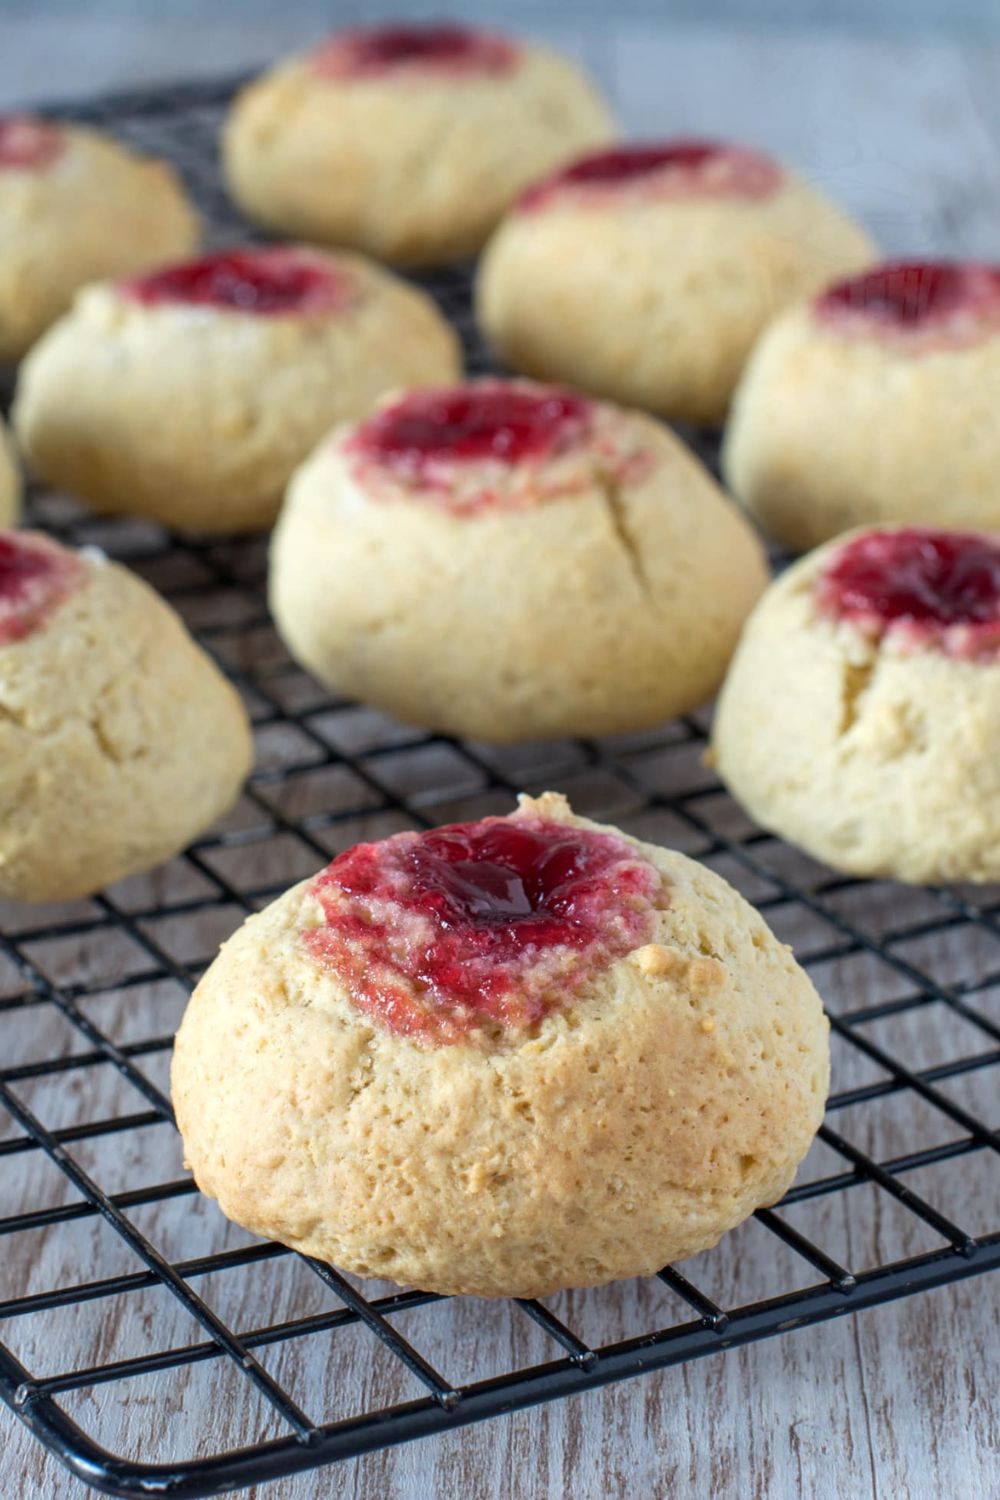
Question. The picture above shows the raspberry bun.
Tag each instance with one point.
(645, 273)
(76, 206)
(120, 741)
(861, 715)
(512, 561)
(874, 403)
(189, 395)
(408, 142)
(501, 1058)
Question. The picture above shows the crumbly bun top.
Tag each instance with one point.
(276, 281)
(668, 1086)
(918, 587)
(484, 926)
(413, 54)
(653, 173)
(915, 307)
(494, 444)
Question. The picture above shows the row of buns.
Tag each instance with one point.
(647, 275)
(504, 560)
(596, 580)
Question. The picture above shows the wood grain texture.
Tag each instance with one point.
(900, 1403)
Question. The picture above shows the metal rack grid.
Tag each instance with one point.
(329, 773)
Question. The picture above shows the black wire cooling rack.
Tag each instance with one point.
(160, 1291)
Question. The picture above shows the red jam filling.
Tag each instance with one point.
(489, 421)
(939, 588)
(265, 282)
(674, 168)
(27, 144)
(479, 925)
(911, 297)
(35, 577)
(377, 51)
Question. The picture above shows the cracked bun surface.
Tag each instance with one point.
(875, 403)
(501, 1059)
(191, 394)
(10, 481)
(507, 561)
(119, 738)
(77, 206)
(861, 715)
(405, 141)
(645, 273)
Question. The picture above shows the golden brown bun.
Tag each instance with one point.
(830, 432)
(611, 606)
(877, 760)
(658, 302)
(412, 170)
(677, 1094)
(196, 416)
(120, 741)
(99, 210)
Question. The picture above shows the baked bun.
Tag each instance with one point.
(512, 561)
(501, 1059)
(76, 206)
(119, 739)
(191, 394)
(877, 402)
(645, 273)
(861, 715)
(405, 141)
(10, 481)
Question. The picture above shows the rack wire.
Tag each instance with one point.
(90, 993)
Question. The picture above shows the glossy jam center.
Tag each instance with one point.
(486, 422)
(28, 144)
(479, 924)
(267, 282)
(389, 49)
(913, 295)
(623, 163)
(35, 577)
(938, 586)
(684, 167)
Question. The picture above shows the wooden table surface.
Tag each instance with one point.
(899, 1403)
